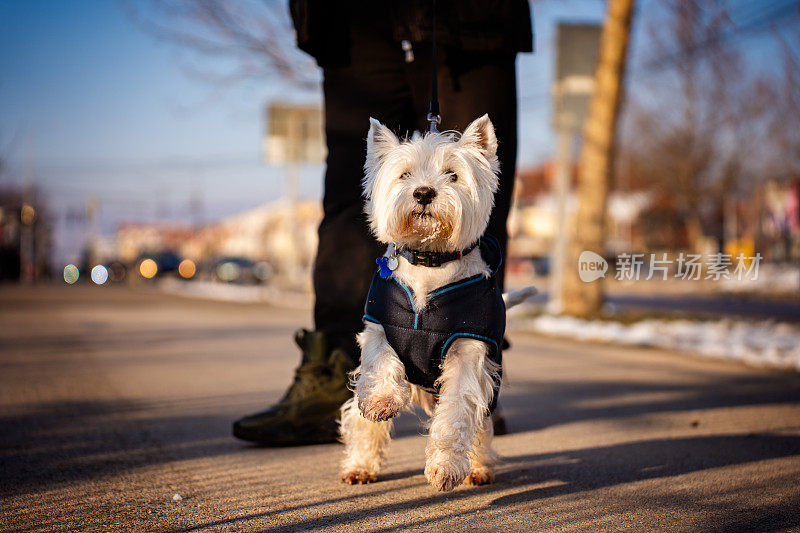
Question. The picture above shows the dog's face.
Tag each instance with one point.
(434, 193)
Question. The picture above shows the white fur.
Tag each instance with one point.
(459, 447)
(461, 209)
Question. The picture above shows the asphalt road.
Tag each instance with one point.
(709, 305)
(112, 402)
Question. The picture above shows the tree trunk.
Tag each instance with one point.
(579, 298)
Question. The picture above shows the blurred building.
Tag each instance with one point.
(765, 219)
(25, 236)
(281, 233)
(533, 224)
(777, 232)
(134, 239)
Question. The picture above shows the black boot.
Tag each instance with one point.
(308, 412)
(499, 423)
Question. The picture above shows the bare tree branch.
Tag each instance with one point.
(700, 128)
(256, 34)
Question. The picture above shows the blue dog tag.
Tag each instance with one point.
(383, 267)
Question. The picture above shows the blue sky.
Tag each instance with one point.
(92, 106)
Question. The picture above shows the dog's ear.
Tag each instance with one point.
(480, 134)
(379, 139)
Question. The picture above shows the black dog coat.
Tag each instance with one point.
(469, 308)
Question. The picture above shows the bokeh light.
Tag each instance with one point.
(27, 214)
(229, 271)
(99, 274)
(263, 271)
(148, 268)
(116, 272)
(187, 268)
(71, 274)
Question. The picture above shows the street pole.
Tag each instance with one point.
(294, 135)
(92, 209)
(292, 180)
(27, 219)
(599, 133)
(27, 254)
(561, 237)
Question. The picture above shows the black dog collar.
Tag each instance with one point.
(433, 259)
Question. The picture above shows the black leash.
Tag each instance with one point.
(434, 118)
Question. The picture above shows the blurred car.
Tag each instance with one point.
(153, 266)
(541, 265)
(241, 270)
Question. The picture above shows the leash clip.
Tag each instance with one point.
(435, 120)
(409, 50)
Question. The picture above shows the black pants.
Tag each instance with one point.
(379, 83)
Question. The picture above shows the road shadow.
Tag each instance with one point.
(577, 471)
(593, 468)
(530, 406)
(62, 442)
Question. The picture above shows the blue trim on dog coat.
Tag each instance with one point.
(468, 308)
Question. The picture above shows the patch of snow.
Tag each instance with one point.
(765, 343)
(771, 277)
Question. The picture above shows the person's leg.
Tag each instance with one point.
(346, 251)
(373, 85)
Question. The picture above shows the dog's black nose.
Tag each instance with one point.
(424, 195)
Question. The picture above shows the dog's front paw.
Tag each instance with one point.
(479, 476)
(378, 408)
(358, 476)
(445, 474)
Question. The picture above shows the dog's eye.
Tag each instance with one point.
(405, 175)
(453, 176)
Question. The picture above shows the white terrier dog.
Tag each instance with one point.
(434, 319)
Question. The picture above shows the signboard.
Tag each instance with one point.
(577, 49)
(294, 134)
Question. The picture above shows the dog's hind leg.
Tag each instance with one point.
(465, 390)
(484, 458)
(365, 444)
